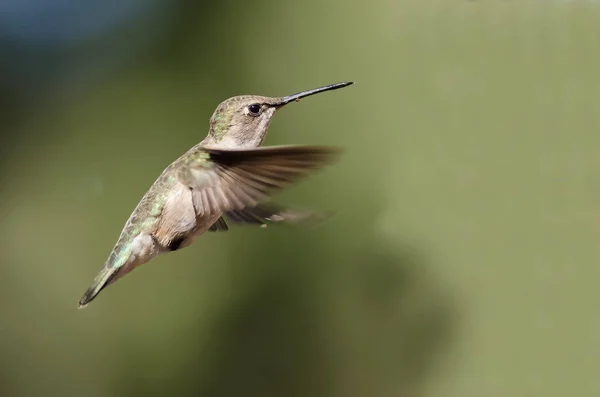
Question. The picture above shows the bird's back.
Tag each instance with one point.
(146, 215)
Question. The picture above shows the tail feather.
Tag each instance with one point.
(102, 280)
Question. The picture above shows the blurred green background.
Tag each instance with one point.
(463, 257)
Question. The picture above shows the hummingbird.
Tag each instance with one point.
(228, 177)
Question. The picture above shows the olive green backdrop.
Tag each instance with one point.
(463, 259)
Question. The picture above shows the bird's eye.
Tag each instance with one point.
(254, 109)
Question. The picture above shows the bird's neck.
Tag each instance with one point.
(232, 142)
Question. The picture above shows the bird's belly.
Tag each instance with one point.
(205, 222)
(202, 225)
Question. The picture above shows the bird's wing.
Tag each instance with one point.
(267, 213)
(223, 181)
(219, 226)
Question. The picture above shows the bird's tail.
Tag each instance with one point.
(104, 278)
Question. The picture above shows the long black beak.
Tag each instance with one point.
(296, 97)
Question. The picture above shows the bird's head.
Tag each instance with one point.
(242, 121)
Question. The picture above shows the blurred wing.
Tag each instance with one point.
(265, 214)
(219, 226)
(224, 181)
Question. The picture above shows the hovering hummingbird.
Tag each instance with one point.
(226, 176)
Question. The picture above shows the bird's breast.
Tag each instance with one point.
(178, 218)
